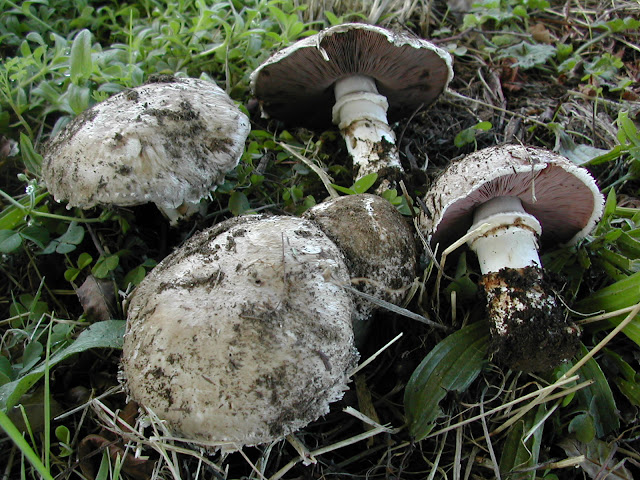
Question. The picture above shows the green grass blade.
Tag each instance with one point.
(17, 438)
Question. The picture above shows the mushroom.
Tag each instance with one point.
(243, 335)
(354, 74)
(169, 142)
(508, 200)
(378, 245)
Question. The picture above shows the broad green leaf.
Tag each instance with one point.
(621, 294)
(81, 65)
(452, 365)
(107, 334)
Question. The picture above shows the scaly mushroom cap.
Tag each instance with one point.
(242, 335)
(295, 84)
(562, 196)
(377, 242)
(167, 142)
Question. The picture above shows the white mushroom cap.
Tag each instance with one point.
(296, 83)
(169, 142)
(378, 245)
(563, 197)
(242, 335)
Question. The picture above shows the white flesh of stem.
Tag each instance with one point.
(361, 114)
(512, 242)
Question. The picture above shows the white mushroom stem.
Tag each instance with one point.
(361, 114)
(510, 241)
(183, 211)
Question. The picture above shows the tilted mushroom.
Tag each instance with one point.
(169, 142)
(506, 199)
(354, 74)
(378, 245)
(243, 335)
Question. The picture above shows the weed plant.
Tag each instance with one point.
(561, 75)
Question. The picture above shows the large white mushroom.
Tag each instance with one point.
(509, 200)
(358, 76)
(379, 247)
(243, 335)
(169, 142)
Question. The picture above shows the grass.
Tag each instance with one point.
(558, 75)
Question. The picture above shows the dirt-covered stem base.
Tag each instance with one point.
(530, 331)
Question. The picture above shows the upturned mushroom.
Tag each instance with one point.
(509, 200)
(357, 76)
(243, 335)
(169, 142)
(378, 245)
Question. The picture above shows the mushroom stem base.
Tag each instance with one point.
(529, 329)
(373, 150)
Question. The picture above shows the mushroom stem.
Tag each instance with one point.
(529, 330)
(361, 114)
(183, 211)
(511, 240)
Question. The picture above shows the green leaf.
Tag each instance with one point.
(9, 241)
(528, 55)
(365, 183)
(135, 276)
(583, 427)
(597, 398)
(621, 294)
(73, 235)
(107, 334)
(464, 137)
(628, 381)
(37, 234)
(81, 64)
(238, 203)
(70, 274)
(84, 260)
(31, 356)
(518, 454)
(32, 159)
(104, 265)
(452, 365)
(346, 191)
